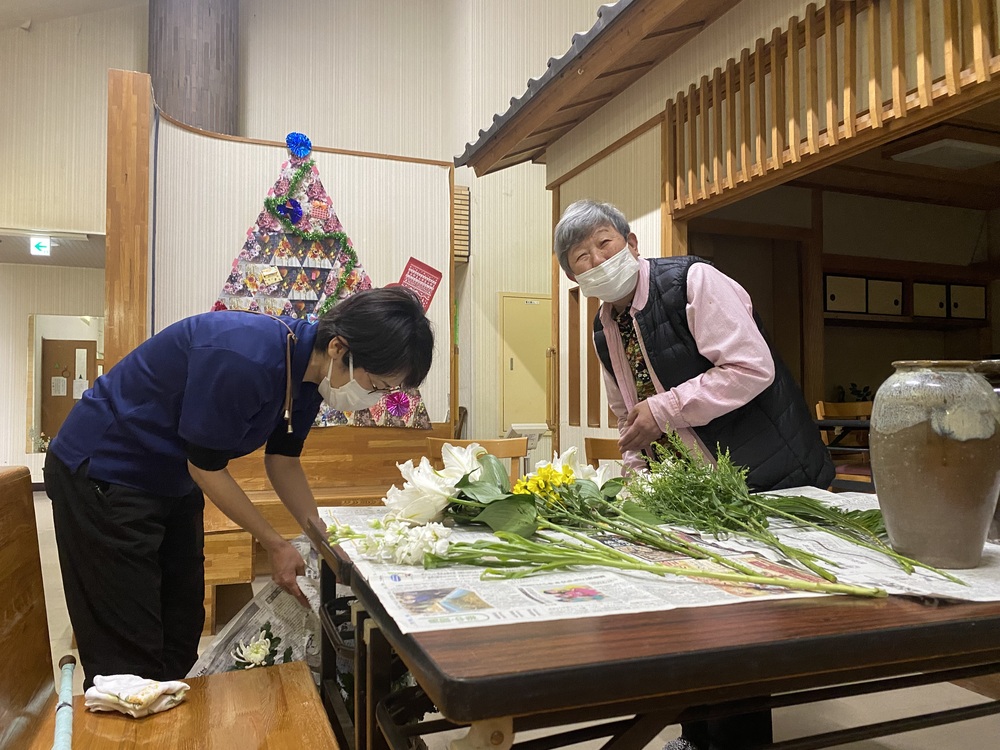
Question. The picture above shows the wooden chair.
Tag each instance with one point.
(601, 449)
(515, 449)
(848, 447)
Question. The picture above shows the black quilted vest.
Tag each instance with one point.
(773, 435)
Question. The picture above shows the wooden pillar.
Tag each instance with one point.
(813, 346)
(193, 61)
(552, 355)
(126, 264)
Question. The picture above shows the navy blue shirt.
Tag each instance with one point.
(215, 381)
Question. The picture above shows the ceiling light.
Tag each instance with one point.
(78, 236)
(950, 153)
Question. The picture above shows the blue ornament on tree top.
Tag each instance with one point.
(298, 144)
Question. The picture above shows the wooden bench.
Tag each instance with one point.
(344, 466)
(265, 707)
(272, 707)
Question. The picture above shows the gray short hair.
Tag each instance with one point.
(579, 221)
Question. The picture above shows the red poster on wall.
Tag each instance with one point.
(421, 279)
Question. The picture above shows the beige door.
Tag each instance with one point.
(526, 334)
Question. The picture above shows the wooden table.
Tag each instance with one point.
(270, 707)
(663, 666)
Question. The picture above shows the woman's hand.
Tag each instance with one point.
(640, 429)
(286, 564)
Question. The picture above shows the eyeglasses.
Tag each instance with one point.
(382, 390)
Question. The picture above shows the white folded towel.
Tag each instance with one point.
(133, 695)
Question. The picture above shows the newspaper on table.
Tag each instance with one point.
(297, 626)
(457, 596)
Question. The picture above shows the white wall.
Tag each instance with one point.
(53, 121)
(26, 289)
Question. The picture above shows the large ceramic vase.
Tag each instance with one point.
(990, 369)
(935, 453)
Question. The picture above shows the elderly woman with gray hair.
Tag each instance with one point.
(682, 350)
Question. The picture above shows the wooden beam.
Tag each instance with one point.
(875, 101)
(704, 144)
(850, 72)
(898, 40)
(760, 105)
(554, 387)
(680, 155)
(812, 82)
(717, 130)
(924, 76)
(778, 121)
(832, 84)
(794, 100)
(692, 159)
(126, 265)
(745, 156)
(730, 123)
(981, 52)
(952, 51)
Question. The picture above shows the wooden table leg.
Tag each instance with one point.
(358, 619)
(378, 679)
(490, 734)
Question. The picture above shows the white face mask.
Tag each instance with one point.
(352, 396)
(614, 279)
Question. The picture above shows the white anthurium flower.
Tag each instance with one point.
(459, 461)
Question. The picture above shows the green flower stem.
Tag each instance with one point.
(660, 538)
(876, 545)
(562, 554)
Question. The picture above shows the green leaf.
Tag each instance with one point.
(494, 472)
(636, 511)
(287, 656)
(587, 490)
(515, 514)
(612, 487)
(484, 492)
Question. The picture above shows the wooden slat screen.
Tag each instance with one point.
(460, 210)
(748, 119)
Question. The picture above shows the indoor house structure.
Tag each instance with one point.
(840, 160)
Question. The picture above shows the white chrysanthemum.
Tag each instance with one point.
(254, 653)
(459, 462)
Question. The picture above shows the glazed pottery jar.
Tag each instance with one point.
(990, 369)
(935, 453)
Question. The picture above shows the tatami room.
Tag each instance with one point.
(171, 158)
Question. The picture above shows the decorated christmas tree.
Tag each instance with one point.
(298, 261)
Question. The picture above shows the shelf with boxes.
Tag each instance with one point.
(886, 293)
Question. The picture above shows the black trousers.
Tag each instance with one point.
(730, 733)
(133, 571)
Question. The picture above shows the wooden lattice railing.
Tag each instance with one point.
(764, 112)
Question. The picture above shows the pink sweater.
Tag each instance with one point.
(720, 316)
